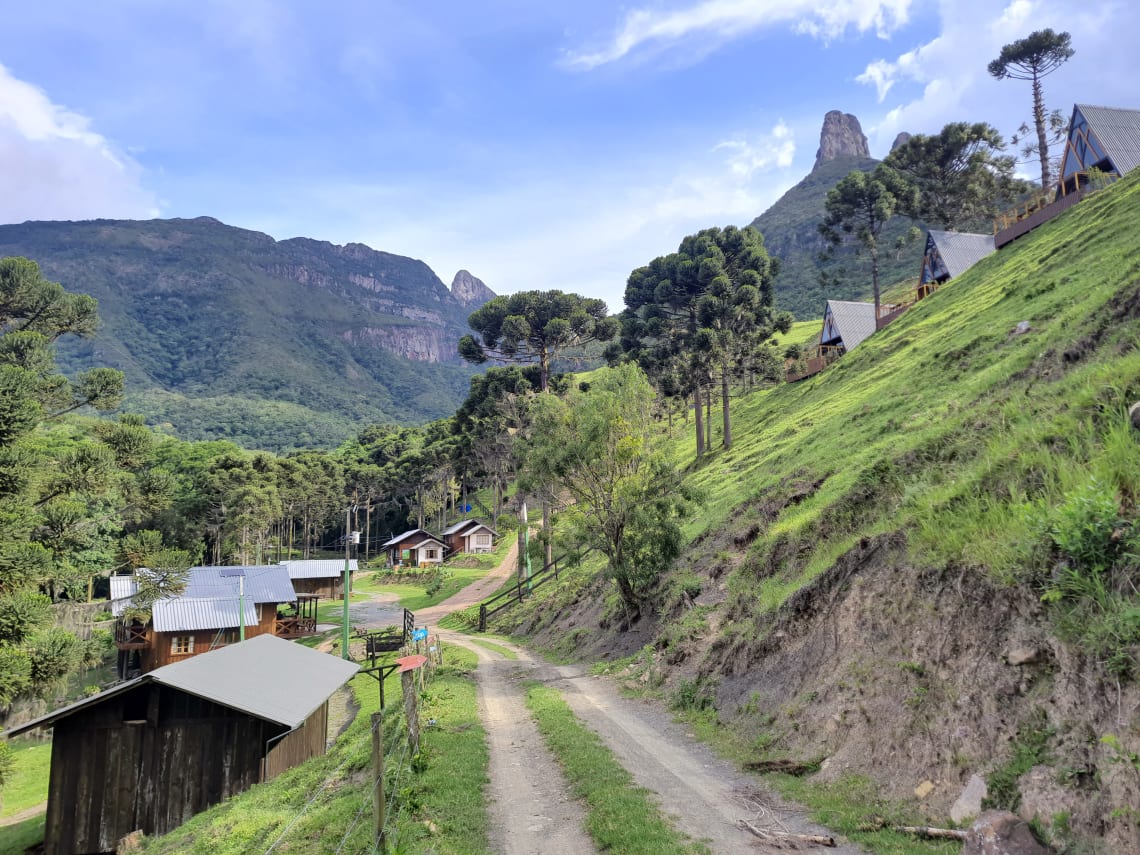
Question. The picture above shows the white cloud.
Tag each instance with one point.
(724, 20)
(946, 79)
(776, 148)
(56, 167)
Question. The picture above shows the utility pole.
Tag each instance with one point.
(347, 584)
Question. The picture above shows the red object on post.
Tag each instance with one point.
(410, 663)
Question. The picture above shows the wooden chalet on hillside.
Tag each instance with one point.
(471, 536)
(1102, 141)
(154, 751)
(206, 615)
(320, 577)
(950, 254)
(415, 548)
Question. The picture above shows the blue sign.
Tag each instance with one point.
(419, 634)
(466, 509)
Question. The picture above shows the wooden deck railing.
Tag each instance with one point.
(1043, 206)
(130, 636)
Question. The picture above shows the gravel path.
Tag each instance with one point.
(528, 799)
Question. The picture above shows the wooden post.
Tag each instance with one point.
(378, 777)
(411, 709)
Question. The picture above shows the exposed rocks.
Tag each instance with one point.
(902, 139)
(469, 290)
(841, 136)
(999, 832)
(1043, 797)
(923, 790)
(1134, 414)
(969, 804)
(1024, 654)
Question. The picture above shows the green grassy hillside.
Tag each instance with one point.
(886, 537)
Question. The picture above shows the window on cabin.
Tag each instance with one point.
(181, 645)
(432, 554)
(482, 540)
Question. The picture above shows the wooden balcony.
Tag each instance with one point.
(295, 627)
(131, 636)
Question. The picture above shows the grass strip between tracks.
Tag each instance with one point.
(621, 817)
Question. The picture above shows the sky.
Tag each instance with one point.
(536, 144)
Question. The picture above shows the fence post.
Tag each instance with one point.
(378, 786)
(482, 617)
(411, 709)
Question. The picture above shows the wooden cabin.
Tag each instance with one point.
(469, 536)
(154, 751)
(415, 548)
(208, 614)
(950, 254)
(320, 577)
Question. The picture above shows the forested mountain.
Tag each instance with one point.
(791, 232)
(225, 332)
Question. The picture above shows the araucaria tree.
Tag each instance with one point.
(534, 327)
(960, 173)
(860, 205)
(599, 446)
(1031, 58)
(706, 306)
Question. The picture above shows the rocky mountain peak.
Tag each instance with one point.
(902, 139)
(841, 136)
(470, 291)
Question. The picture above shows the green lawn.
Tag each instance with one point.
(29, 783)
(14, 839)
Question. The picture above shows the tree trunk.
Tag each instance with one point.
(875, 279)
(708, 418)
(724, 405)
(543, 370)
(547, 534)
(699, 420)
(1039, 121)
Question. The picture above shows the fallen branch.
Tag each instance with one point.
(788, 767)
(816, 839)
(928, 831)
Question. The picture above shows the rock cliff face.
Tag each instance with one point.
(470, 291)
(195, 311)
(841, 136)
(902, 139)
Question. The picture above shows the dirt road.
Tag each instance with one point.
(529, 803)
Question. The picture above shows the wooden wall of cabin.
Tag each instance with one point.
(149, 758)
(307, 741)
(329, 587)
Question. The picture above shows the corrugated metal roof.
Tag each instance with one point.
(1118, 131)
(263, 584)
(403, 536)
(429, 540)
(459, 526)
(266, 677)
(318, 568)
(853, 321)
(122, 589)
(187, 614)
(472, 524)
(961, 250)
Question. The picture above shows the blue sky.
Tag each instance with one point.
(538, 145)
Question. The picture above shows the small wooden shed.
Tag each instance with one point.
(320, 577)
(470, 536)
(154, 751)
